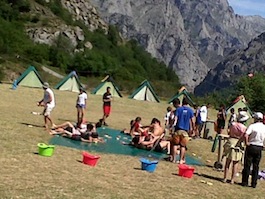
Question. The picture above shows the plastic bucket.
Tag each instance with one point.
(90, 159)
(186, 170)
(45, 150)
(148, 165)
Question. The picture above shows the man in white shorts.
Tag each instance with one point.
(48, 102)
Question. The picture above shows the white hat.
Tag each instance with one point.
(45, 85)
(258, 115)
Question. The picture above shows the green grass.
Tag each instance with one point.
(27, 175)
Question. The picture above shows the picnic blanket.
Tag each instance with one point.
(115, 143)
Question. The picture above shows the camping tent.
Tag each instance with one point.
(69, 83)
(102, 87)
(182, 93)
(145, 92)
(30, 78)
(239, 102)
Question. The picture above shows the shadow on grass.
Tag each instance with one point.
(136, 168)
(208, 176)
(33, 125)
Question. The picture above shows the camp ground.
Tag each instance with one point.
(182, 93)
(102, 87)
(69, 83)
(30, 78)
(145, 92)
(26, 174)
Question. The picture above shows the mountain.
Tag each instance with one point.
(238, 63)
(191, 37)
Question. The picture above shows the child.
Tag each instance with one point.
(81, 105)
(233, 117)
(169, 119)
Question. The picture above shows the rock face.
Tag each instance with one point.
(84, 11)
(190, 36)
(238, 63)
(80, 9)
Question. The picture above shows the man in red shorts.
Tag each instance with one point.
(106, 105)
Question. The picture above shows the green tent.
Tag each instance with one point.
(30, 78)
(145, 92)
(239, 102)
(102, 88)
(69, 83)
(182, 93)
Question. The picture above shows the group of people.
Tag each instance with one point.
(244, 143)
(178, 122)
(181, 123)
(80, 131)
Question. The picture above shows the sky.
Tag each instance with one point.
(248, 7)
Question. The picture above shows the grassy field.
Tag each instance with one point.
(24, 174)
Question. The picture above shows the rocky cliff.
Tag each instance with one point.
(189, 36)
(238, 63)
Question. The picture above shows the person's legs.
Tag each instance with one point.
(255, 163)
(234, 171)
(226, 169)
(247, 164)
(65, 125)
(173, 152)
(182, 155)
(165, 144)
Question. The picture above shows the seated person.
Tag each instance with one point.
(136, 128)
(158, 144)
(155, 130)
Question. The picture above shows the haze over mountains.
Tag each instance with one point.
(199, 39)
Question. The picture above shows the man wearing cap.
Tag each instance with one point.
(254, 138)
(48, 102)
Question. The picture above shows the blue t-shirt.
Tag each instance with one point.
(184, 114)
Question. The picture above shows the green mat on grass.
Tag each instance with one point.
(114, 143)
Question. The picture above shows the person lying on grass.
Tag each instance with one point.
(158, 144)
(71, 132)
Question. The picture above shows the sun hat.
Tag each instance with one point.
(45, 85)
(258, 115)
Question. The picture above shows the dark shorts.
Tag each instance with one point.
(158, 148)
(106, 110)
(220, 124)
(81, 106)
(76, 137)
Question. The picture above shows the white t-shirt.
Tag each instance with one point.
(47, 93)
(203, 113)
(82, 99)
(256, 134)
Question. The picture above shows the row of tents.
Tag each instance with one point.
(71, 82)
(145, 91)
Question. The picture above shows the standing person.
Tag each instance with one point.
(184, 124)
(254, 138)
(204, 117)
(169, 119)
(81, 106)
(48, 102)
(107, 97)
(233, 148)
(221, 117)
(233, 117)
(198, 122)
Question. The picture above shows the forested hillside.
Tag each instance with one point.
(125, 61)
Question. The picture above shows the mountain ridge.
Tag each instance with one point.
(190, 37)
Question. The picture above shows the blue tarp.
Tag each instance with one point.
(114, 144)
